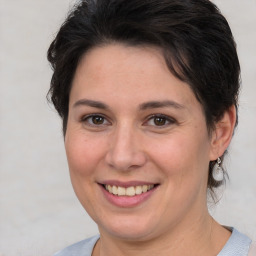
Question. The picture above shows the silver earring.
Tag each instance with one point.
(217, 171)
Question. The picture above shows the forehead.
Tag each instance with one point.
(124, 70)
(102, 62)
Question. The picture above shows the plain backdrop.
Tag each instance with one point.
(39, 213)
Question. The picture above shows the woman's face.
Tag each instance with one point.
(137, 144)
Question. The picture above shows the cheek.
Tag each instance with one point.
(83, 158)
(83, 154)
(184, 164)
(182, 155)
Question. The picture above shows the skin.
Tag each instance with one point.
(126, 143)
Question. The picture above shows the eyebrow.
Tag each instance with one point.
(161, 104)
(91, 103)
(143, 106)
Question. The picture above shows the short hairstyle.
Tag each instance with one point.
(194, 37)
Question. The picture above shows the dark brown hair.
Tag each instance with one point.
(195, 39)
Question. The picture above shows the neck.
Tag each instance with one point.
(203, 237)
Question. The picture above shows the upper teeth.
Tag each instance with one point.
(130, 191)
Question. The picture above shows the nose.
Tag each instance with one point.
(125, 149)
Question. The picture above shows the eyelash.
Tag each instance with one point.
(85, 119)
(166, 119)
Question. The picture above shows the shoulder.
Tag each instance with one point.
(252, 251)
(82, 248)
(238, 244)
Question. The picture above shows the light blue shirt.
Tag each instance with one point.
(237, 245)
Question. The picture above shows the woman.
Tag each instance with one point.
(147, 91)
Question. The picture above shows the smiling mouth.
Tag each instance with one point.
(129, 191)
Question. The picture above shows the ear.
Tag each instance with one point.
(222, 134)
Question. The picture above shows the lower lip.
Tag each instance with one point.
(127, 201)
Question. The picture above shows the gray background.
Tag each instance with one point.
(39, 212)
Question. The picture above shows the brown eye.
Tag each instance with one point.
(95, 120)
(98, 120)
(159, 121)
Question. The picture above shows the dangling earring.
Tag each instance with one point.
(217, 171)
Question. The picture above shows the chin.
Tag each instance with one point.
(131, 230)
